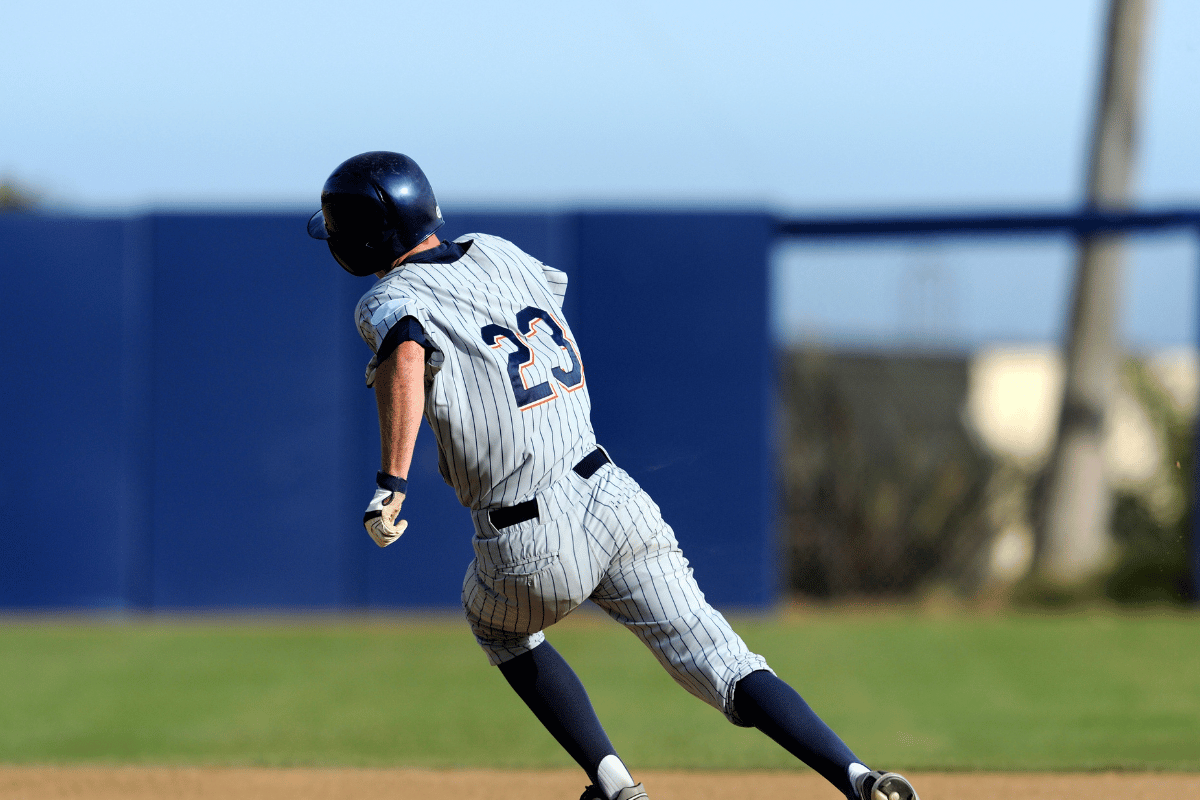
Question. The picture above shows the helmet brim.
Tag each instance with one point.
(316, 226)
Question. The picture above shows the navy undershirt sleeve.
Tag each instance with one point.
(406, 330)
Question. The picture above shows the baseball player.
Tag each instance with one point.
(471, 335)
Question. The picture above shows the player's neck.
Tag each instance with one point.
(430, 243)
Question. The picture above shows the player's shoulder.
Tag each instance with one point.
(389, 290)
(489, 243)
(484, 240)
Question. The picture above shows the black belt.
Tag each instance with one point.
(521, 512)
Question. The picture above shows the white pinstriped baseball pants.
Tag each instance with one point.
(602, 538)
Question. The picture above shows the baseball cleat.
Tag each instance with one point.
(885, 786)
(628, 793)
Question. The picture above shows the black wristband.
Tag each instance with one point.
(391, 483)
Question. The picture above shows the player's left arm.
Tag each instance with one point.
(400, 398)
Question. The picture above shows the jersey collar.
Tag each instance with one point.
(444, 253)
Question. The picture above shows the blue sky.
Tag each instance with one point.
(804, 107)
(962, 294)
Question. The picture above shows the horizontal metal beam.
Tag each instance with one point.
(1084, 222)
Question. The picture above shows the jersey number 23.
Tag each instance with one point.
(529, 321)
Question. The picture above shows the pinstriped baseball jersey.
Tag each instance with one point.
(507, 399)
(506, 393)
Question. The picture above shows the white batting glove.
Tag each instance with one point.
(380, 517)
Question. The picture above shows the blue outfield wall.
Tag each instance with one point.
(186, 427)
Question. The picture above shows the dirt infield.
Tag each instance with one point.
(198, 783)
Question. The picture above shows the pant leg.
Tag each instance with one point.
(650, 589)
(526, 577)
(523, 579)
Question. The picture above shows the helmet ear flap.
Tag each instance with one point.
(361, 259)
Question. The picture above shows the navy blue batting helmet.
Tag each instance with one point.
(375, 207)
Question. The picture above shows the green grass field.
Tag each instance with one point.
(959, 692)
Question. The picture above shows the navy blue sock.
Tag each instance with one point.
(769, 704)
(557, 698)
